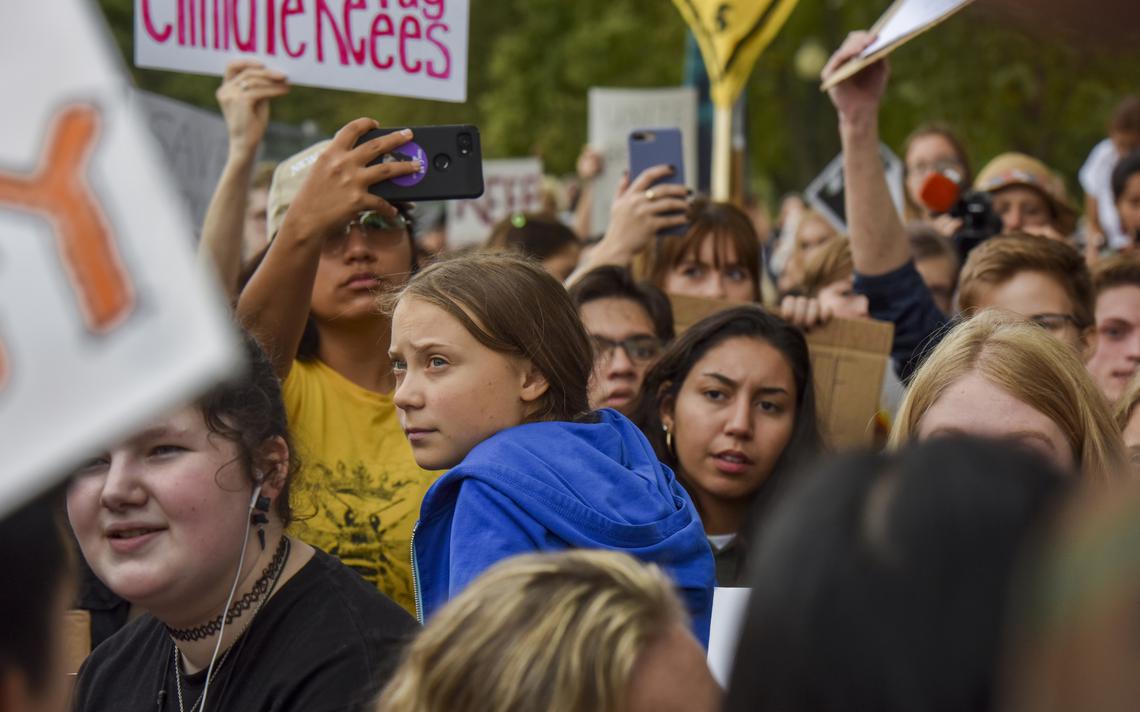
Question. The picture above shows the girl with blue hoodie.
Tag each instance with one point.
(492, 365)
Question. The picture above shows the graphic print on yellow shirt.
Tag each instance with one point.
(359, 490)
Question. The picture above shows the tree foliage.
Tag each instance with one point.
(531, 63)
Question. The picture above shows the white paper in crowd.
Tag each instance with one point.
(194, 143)
(909, 17)
(729, 607)
(613, 113)
(105, 318)
(825, 194)
(416, 48)
(511, 185)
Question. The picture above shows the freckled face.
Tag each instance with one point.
(452, 392)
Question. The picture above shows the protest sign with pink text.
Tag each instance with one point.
(414, 48)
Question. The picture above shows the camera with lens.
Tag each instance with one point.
(942, 194)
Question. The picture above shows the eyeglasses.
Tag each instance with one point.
(371, 221)
(945, 165)
(1054, 322)
(637, 348)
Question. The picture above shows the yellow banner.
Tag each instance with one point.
(731, 35)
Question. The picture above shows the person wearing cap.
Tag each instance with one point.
(884, 268)
(1027, 196)
(312, 299)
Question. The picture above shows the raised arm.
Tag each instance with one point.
(244, 97)
(878, 240)
(275, 303)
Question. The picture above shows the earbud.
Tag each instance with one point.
(259, 508)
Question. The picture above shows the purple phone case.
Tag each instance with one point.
(653, 147)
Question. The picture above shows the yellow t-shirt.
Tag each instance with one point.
(359, 490)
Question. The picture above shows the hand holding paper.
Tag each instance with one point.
(860, 96)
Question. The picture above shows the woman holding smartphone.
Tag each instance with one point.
(531, 469)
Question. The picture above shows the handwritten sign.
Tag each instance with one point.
(512, 185)
(105, 320)
(613, 113)
(414, 48)
(732, 34)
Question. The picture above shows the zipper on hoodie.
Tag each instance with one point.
(416, 577)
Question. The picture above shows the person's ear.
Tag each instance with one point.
(533, 383)
(272, 466)
(665, 409)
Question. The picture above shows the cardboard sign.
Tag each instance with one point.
(728, 612)
(614, 113)
(194, 143)
(512, 185)
(105, 318)
(731, 35)
(903, 21)
(826, 193)
(848, 358)
(412, 48)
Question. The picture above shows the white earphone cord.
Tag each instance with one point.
(230, 600)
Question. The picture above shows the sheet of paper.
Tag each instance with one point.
(729, 607)
(908, 17)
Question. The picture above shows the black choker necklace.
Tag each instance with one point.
(255, 594)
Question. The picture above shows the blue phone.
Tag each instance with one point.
(653, 147)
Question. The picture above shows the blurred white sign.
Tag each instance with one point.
(512, 185)
(105, 320)
(826, 194)
(408, 48)
(616, 112)
(729, 607)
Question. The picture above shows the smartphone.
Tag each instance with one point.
(652, 147)
(451, 159)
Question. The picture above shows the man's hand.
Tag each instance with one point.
(247, 87)
(858, 96)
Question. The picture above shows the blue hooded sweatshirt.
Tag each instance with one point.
(559, 485)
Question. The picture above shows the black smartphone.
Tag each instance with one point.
(652, 147)
(451, 159)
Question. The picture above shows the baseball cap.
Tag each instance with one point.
(287, 180)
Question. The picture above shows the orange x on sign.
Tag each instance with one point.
(58, 191)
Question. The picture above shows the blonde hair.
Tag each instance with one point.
(999, 259)
(1037, 369)
(553, 632)
(1127, 401)
(832, 263)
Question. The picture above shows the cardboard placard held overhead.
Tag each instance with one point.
(106, 319)
(416, 49)
(848, 358)
(613, 113)
(511, 185)
(903, 21)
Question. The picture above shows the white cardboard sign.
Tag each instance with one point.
(414, 48)
(105, 318)
(511, 185)
(194, 143)
(729, 608)
(613, 113)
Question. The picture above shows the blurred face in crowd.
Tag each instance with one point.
(254, 237)
(452, 392)
(1021, 207)
(160, 517)
(814, 234)
(940, 274)
(731, 420)
(1125, 142)
(697, 274)
(1040, 298)
(562, 263)
(672, 675)
(841, 300)
(977, 407)
(1129, 206)
(929, 153)
(372, 254)
(1117, 339)
(625, 346)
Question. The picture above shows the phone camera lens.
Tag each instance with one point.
(442, 162)
(464, 141)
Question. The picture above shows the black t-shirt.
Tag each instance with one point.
(326, 641)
